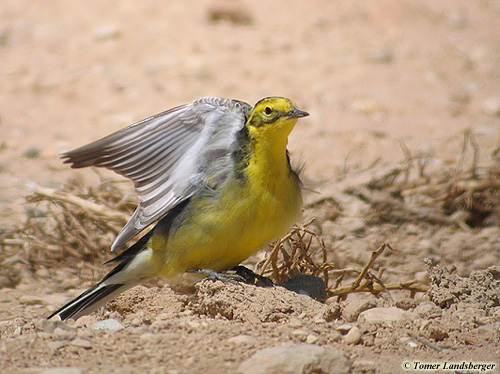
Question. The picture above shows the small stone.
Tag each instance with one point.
(240, 339)
(364, 366)
(332, 312)
(409, 341)
(55, 345)
(406, 303)
(491, 106)
(187, 313)
(423, 277)
(159, 325)
(103, 32)
(344, 328)
(163, 317)
(353, 336)
(49, 325)
(300, 334)
(311, 339)
(85, 321)
(110, 324)
(437, 331)
(78, 342)
(32, 152)
(427, 309)
(382, 56)
(295, 322)
(229, 11)
(32, 300)
(296, 359)
(382, 315)
(43, 273)
(64, 334)
(353, 308)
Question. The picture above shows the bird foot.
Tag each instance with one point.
(213, 275)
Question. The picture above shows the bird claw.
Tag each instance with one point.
(213, 275)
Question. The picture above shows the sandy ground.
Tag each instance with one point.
(374, 75)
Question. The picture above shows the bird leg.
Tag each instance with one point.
(213, 275)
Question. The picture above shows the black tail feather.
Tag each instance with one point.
(90, 297)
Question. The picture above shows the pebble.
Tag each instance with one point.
(344, 328)
(364, 366)
(412, 344)
(103, 32)
(159, 325)
(110, 324)
(311, 339)
(240, 339)
(406, 303)
(382, 315)
(163, 317)
(296, 359)
(295, 322)
(332, 312)
(300, 334)
(64, 334)
(32, 152)
(423, 277)
(85, 321)
(491, 106)
(49, 325)
(32, 300)
(427, 309)
(353, 336)
(353, 308)
(55, 345)
(229, 11)
(409, 341)
(319, 320)
(382, 56)
(83, 343)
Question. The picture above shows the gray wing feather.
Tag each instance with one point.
(165, 155)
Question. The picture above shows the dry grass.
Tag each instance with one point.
(462, 194)
(68, 226)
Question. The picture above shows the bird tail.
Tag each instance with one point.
(90, 300)
(135, 266)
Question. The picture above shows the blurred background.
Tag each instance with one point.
(372, 74)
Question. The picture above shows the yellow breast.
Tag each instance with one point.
(247, 212)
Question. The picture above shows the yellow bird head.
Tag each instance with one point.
(274, 114)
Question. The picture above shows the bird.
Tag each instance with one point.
(215, 177)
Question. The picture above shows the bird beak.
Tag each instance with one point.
(296, 113)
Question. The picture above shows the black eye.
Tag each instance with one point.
(268, 110)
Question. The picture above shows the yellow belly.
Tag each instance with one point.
(219, 233)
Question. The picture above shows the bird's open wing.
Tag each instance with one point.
(163, 153)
